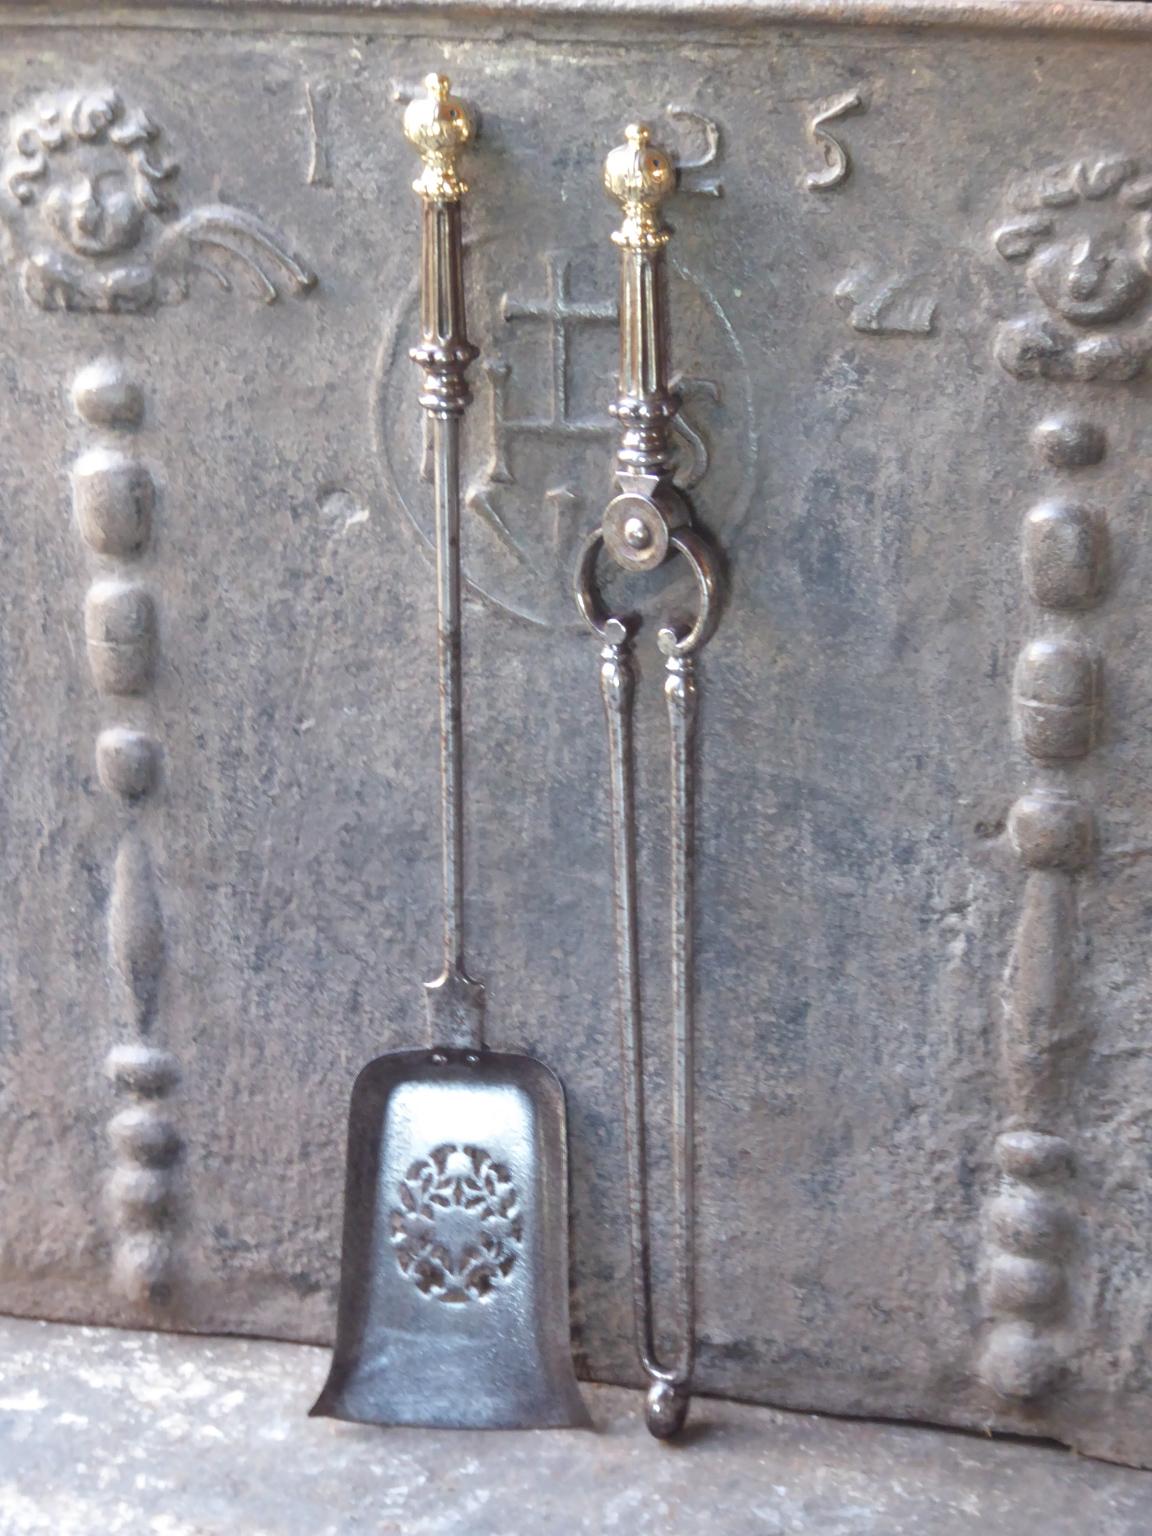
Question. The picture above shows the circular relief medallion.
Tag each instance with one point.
(538, 439)
(456, 1226)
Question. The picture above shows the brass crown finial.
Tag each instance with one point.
(439, 125)
(640, 175)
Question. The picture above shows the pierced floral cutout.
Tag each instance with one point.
(1083, 233)
(457, 1228)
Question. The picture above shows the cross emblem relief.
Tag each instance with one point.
(560, 315)
(552, 319)
(539, 442)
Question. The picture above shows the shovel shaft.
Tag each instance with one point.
(446, 468)
(455, 1001)
(439, 125)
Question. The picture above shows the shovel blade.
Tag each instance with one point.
(454, 1273)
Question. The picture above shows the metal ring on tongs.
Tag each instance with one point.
(673, 639)
(610, 628)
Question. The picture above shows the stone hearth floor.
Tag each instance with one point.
(107, 1433)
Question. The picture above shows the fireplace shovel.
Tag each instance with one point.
(454, 1277)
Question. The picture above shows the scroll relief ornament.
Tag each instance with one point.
(89, 195)
(1083, 234)
(456, 1227)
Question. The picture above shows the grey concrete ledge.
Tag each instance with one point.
(145, 1434)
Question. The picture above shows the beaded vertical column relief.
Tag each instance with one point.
(1080, 233)
(89, 195)
(114, 501)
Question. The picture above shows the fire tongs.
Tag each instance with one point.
(646, 523)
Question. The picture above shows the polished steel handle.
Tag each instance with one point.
(640, 176)
(439, 125)
(639, 521)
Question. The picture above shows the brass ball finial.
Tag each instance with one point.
(640, 175)
(439, 126)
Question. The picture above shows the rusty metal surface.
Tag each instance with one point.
(913, 421)
(1116, 16)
